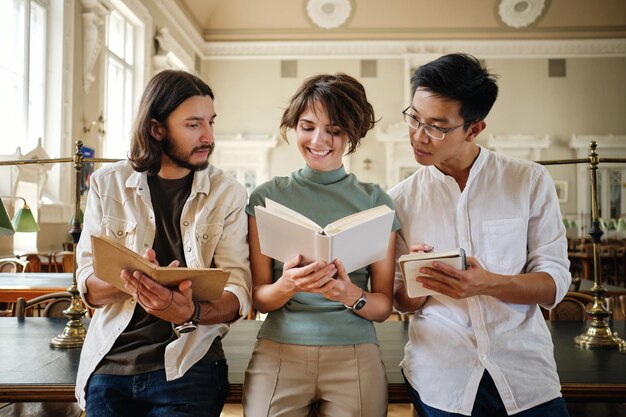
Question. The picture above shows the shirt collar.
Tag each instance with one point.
(201, 183)
(323, 177)
(479, 162)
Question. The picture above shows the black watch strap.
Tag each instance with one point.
(192, 324)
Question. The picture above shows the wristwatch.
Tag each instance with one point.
(359, 303)
(192, 324)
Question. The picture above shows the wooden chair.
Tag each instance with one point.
(572, 307)
(63, 261)
(13, 265)
(54, 304)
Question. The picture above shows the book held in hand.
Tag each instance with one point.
(411, 263)
(357, 240)
(110, 257)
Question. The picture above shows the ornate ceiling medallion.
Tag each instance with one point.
(329, 14)
(521, 13)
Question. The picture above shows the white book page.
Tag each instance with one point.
(290, 214)
(354, 219)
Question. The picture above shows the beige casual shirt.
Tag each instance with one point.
(214, 234)
(508, 218)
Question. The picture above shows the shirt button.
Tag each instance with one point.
(484, 357)
(145, 245)
(185, 223)
(188, 249)
(120, 233)
(205, 236)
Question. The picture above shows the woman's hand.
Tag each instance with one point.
(314, 278)
(342, 289)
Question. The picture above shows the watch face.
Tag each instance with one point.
(359, 304)
(186, 327)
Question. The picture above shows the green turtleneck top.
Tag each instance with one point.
(311, 319)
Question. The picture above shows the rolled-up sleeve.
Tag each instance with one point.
(547, 244)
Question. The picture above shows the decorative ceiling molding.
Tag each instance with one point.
(521, 13)
(575, 48)
(328, 14)
(94, 18)
(169, 54)
(181, 24)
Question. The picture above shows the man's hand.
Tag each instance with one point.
(457, 283)
(173, 305)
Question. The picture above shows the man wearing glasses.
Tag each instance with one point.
(480, 345)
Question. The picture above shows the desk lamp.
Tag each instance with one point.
(24, 221)
(6, 227)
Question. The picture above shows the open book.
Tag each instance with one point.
(110, 257)
(411, 263)
(357, 240)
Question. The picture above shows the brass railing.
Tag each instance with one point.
(74, 332)
(598, 334)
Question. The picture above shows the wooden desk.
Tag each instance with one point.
(30, 285)
(32, 371)
(611, 290)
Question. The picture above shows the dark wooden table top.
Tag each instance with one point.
(32, 371)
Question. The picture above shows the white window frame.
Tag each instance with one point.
(136, 15)
(24, 137)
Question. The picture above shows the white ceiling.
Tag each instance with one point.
(280, 20)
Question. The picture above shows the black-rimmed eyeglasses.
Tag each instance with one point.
(432, 131)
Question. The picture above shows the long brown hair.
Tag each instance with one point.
(163, 94)
(344, 99)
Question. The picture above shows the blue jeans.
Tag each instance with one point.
(200, 392)
(489, 404)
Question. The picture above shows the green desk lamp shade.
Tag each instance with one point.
(621, 225)
(6, 228)
(24, 221)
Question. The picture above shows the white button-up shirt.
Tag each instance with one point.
(508, 218)
(214, 234)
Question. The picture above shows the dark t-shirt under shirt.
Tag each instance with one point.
(141, 346)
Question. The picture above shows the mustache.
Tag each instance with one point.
(210, 147)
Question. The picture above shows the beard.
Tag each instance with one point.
(182, 160)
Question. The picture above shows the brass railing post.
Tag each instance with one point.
(598, 333)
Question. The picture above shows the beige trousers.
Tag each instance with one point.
(300, 381)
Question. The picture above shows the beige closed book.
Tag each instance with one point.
(411, 263)
(110, 257)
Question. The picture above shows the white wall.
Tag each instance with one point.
(591, 99)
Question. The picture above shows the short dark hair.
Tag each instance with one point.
(163, 94)
(343, 98)
(459, 77)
